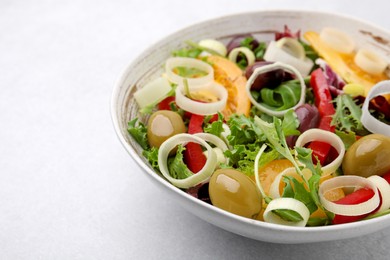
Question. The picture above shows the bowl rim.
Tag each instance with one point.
(177, 191)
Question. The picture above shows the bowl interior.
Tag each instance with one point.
(262, 25)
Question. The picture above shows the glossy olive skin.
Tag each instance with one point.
(370, 155)
(162, 125)
(235, 192)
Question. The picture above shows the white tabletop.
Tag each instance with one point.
(68, 190)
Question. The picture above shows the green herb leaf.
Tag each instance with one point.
(215, 127)
(176, 166)
(290, 123)
(138, 132)
(347, 115)
(152, 156)
(282, 97)
(299, 193)
(348, 138)
(288, 215)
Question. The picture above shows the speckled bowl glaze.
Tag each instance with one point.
(262, 24)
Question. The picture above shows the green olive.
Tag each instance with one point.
(162, 125)
(370, 155)
(235, 192)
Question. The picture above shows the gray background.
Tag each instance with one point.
(68, 190)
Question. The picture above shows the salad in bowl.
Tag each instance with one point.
(288, 126)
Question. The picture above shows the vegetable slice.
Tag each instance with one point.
(286, 204)
(271, 67)
(384, 189)
(337, 40)
(274, 53)
(175, 62)
(214, 45)
(352, 182)
(330, 138)
(195, 179)
(370, 122)
(370, 62)
(152, 92)
(250, 56)
(201, 108)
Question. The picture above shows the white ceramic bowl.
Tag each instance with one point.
(262, 24)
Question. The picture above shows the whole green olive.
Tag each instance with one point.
(162, 125)
(233, 191)
(370, 155)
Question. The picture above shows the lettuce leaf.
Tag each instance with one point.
(176, 166)
(139, 132)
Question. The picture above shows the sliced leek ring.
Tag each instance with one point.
(349, 181)
(274, 53)
(271, 67)
(292, 47)
(194, 179)
(274, 188)
(250, 56)
(175, 62)
(289, 204)
(384, 188)
(337, 40)
(200, 108)
(370, 62)
(334, 140)
(371, 123)
(214, 45)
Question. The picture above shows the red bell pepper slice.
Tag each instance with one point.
(164, 104)
(193, 154)
(323, 101)
(353, 198)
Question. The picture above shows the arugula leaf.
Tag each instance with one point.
(348, 138)
(138, 132)
(299, 193)
(290, 123)
(288, 215)
(176, 166)
(310, 52)
(347, 115)
(285, 96)
(305, 157)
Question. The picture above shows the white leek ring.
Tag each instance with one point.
(371, 123)
(274, 188)
(291, 46)
(195, 179)
(370, 62)
(152, 92)
(350, 181)
(272, 67)
(337, 40)
(334, 140)
(257, 177)
(384, 189)
(214, 45)
(175, 62)
(200, 108)
(220, 148)
(289, 204)
(274, 53)
(250, 56)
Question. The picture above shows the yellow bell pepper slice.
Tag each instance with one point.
(343, 64)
